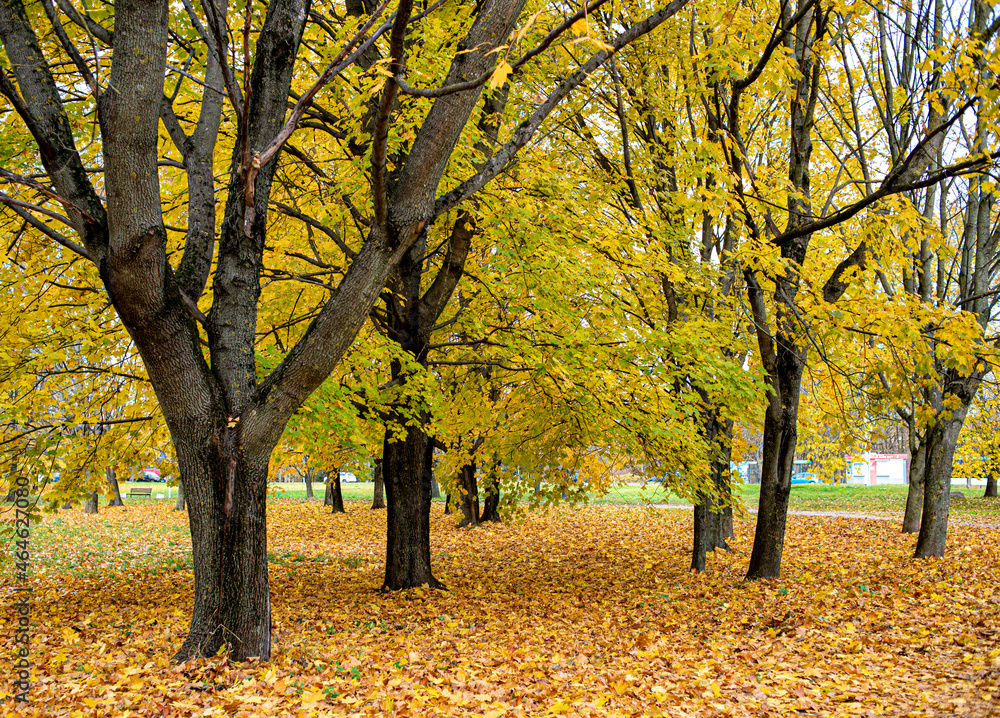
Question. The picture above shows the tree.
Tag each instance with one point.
(225, 420)
(116, 494)
(378, 502)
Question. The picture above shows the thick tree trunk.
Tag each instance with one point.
(778, 457)
(991, 487)
(91, 506)
(406, 472)
(116, 494)
(309, 481)
(915, 489)
(378, 502)
(337, 496)
(435, 489)
(232, 601)
(942, 438)
(181, 502)
(468, 495)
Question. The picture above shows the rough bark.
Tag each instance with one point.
(336, 495)
(181, 502)
(116, 494)
(309, 481)
(778, 456)
(991, 487)
(915, 489)
(942, 438)
(712, 523)
(378, 502)
(468, 495)
(91, 506)
(491, 496)
(406, 468)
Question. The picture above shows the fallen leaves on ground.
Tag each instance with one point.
(586, 612)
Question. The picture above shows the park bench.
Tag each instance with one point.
(139, 491)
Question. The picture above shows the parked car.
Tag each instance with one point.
(152, 475)
(347, 477)
(804, 477)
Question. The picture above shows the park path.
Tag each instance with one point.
(852, 515)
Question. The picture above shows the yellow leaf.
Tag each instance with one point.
(500, 74)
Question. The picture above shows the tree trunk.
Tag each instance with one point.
(915, 490)
(309, 481)
(180, 503)
(328, 481)
(116, 494)
(468, 495)
(406, 472)
(68, 505)
(778, 456)
(713, 518)
(11, 495)
(91, 506)
(991, 487)
(942, 439)
(447, 504)
(232, 602)
(491, 496)
(337, 496)
(378, 502)
(435, 489)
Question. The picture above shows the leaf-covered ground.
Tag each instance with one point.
(586, 612)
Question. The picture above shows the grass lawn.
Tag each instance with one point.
(807, 497)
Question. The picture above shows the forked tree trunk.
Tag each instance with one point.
(309, 481)
(181, 502)
(337, 496)
(116, 494)
(468, 495)
(915, 489)
(942, 438)
(91, 506)
(406, 472)
(378, 501)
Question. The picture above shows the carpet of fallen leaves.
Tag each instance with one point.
(574, 612)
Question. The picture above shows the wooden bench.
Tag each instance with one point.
(139, 491)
